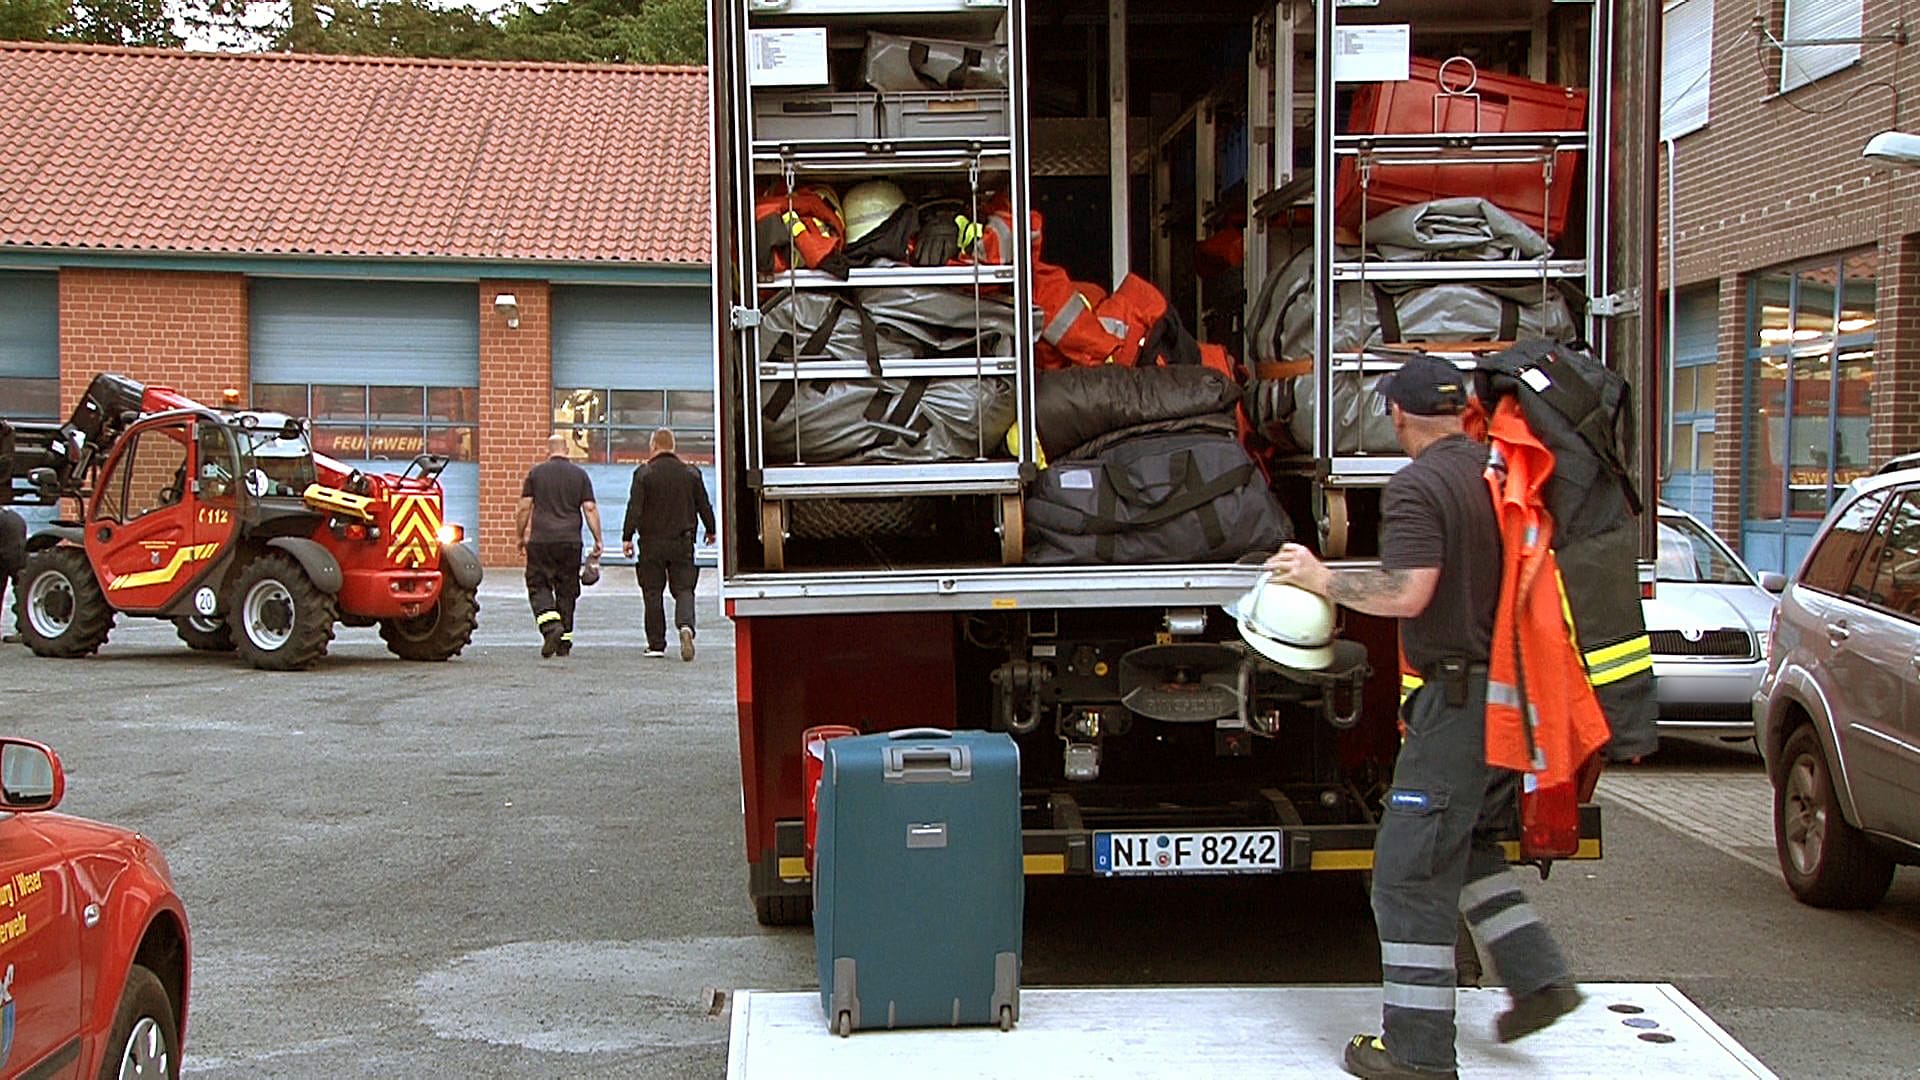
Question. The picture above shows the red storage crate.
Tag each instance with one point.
(1504, 103)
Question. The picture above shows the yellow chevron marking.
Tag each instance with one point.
(181, 557)
(415, 530)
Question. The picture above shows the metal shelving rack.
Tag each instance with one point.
(973, 158)
(1337, 472)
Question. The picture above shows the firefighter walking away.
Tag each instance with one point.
(557, 494)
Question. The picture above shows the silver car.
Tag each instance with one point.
(1708, 620)
(1838, 712)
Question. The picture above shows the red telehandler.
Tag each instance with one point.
(226, 523)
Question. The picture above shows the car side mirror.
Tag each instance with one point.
(44, 480)
(30, 776)
(1773, 582)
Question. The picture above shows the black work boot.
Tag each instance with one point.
(1367, 1057)
(1536, 1011)
(566, 646)
(550, 643)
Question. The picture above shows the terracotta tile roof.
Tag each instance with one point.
(154, 150)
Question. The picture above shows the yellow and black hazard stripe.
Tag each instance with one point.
(414, 531)
(1622, 660)
(1409, 682)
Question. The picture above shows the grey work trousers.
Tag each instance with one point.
(1435, 859)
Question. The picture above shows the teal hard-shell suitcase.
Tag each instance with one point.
(918, 887)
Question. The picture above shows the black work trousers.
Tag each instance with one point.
(1435, 859)
(13, 551)
(553, 583)
(665, 565)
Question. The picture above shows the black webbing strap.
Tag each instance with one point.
(920, 55)
(816, 343)
(1509, 320)
(781, 399)
(901, 422)
(1387, 315)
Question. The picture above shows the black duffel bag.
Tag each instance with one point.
(1183, 497)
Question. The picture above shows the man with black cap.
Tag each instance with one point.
(1435, 857)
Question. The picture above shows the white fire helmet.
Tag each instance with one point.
(869, 205)
(1286, 624)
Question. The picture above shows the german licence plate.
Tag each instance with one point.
(1211, 851)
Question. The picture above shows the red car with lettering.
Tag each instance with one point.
(93, 939)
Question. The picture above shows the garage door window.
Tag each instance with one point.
(381, 423)
(614, 427)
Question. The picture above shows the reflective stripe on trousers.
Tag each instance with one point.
(1435, 857)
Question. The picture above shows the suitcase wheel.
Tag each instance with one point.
(1006, 1017)
(843, 1024)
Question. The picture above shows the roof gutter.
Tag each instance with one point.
(362, 267)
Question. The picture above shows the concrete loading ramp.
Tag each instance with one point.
(1648, 1029)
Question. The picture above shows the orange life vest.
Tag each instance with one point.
(1542, 716)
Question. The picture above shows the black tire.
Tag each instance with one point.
(437, 634)
(281, 619)
(203, 634)
(783, 910)
(1826, 861)
(58, 606)
(144, 1033)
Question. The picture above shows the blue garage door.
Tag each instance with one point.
(30, 358)
(625, 362)
(386, 370)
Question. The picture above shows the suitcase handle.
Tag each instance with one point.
(928, 765)
(920, 733)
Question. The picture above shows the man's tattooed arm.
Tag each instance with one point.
(1393, 593)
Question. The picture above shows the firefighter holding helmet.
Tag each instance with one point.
(1435, 856)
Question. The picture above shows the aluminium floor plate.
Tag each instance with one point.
(1649, 1029)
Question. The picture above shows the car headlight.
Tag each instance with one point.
(1764, 639)
(452, 534)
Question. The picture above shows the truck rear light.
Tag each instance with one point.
(356, 532)
(452, 534)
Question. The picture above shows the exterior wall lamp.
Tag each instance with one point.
(507, 306)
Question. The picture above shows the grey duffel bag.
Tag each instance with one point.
(923, 420)
(1186, 497)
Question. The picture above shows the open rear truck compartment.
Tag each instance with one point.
(886, 594)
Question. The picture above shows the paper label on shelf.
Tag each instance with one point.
(1372, 53)
(795, 56)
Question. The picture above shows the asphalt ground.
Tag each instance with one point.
(503, 866)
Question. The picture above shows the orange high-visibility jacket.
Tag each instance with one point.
(1542, 716)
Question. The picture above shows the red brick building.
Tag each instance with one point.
(419, 255)
(1797, 332)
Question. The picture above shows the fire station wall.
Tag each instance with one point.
(516, 408)
(1776, 179)
(184, 330)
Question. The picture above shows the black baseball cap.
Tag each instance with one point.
(1426, 386)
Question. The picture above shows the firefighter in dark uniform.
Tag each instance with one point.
(13, 530)
(667, 500)
(556, 495)
(1435, 857)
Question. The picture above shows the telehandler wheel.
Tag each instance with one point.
(58, 606)
(282, 621)
(783, 910)
(203, 634)
(438, 633)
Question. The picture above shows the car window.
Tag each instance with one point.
(1829, 566)
(1687, 553)
(1890, 577)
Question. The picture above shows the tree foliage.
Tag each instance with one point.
(93, 22)
(596, 31)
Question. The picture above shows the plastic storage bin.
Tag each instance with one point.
(947, 115)
(1489, 103)
(815, 116)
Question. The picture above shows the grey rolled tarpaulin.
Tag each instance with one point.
(1370, 315)
(895, 63)
(921, 420)
(883, 323)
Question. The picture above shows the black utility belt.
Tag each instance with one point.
(1455, 676)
